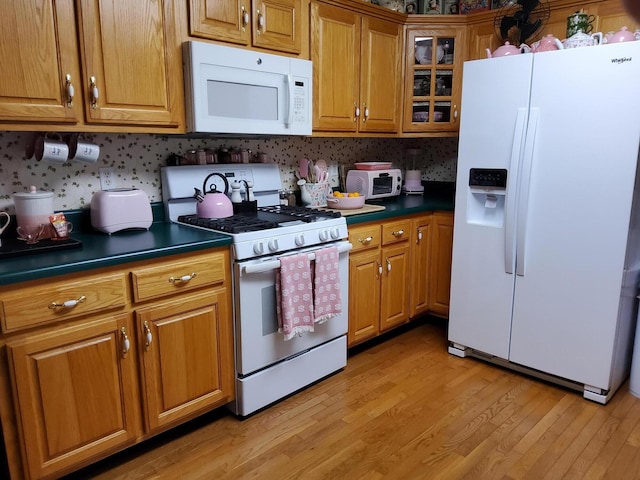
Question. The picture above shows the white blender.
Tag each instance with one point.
(412, 178)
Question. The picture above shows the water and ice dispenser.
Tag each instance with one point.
(488, 187)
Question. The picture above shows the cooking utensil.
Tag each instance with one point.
(303, 168)
(211, 203)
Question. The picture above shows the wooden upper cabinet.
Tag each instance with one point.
(433, 78)
(381, 83)
(90, 64)
(270, 24)
(356, 71)
(124, 62)
(335, 52)
(38, 47)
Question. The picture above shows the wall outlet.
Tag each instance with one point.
(107, 178)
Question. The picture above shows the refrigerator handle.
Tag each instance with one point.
(525, 184)
(510, 201)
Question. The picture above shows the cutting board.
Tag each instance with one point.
(366, 208)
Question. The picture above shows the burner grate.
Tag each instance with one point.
(233, 224)
(305, 214)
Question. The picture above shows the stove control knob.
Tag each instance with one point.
(335, 234)
(299, 240)
(258, 248)
(273, 244)
(324, 236)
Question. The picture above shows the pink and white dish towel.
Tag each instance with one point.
(294, 295)
(326, 285)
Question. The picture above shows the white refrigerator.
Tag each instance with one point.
(546, 247)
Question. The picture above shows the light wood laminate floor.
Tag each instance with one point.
(403, 409)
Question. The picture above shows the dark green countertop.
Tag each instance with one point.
(163, 238)
(102, 250)
(438, 196)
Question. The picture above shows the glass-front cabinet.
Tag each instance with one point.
(434, 79)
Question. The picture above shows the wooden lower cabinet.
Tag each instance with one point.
(440, 264)
(75, 393)
(86, 381)
(421, 241)
(183, 349)
(378, 279)
(398, 270)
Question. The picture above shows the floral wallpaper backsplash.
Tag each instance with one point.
(137, 158)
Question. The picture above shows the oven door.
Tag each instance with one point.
(258, 342)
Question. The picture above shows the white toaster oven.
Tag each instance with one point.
(375, 183)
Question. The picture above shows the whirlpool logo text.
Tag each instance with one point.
(621, 60)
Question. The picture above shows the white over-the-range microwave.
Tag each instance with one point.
(235, 91)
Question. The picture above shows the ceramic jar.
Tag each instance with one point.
(581, 39)
(623, 35)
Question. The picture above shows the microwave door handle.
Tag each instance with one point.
(287, 121)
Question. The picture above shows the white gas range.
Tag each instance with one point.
(268, 368)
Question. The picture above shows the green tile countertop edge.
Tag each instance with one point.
(164, 238)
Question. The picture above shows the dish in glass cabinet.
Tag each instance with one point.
(423, 54)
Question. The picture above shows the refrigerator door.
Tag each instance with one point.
(580, 187)
(495, 98)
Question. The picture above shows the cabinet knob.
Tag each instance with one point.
(126, 344)
(455, 112)
(70, 90)
(148, 338)
(379, 269)
(365, 240)
(94, 93)
(397, 234)
(182, 279)
(388, 265)
(244, 18)
(356, 112)
(419, 235)
(67, 303)
(260, 21)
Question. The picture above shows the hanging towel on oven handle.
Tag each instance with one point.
(294, 295)
(326, 284)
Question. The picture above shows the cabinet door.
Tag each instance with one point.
(75, 392)
(394, 297)
(433, 79)
(364, 295)
(38, 47)
(335, 52)
(125, 62)
(381, 88)
(277, 25)
(420, 262)
(186, 351)
(441, 262)
(224, 20)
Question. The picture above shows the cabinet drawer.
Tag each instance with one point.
(61, 300)
(393, 232)
(364, 237)
(176, 276)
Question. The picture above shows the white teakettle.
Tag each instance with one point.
(581, 39)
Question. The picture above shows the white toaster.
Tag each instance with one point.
(120, 209)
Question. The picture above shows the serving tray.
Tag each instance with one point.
(12, 247)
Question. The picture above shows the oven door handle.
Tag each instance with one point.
(274, 264)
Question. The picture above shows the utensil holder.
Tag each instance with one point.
(315, 194)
